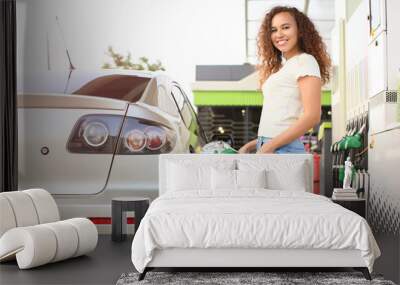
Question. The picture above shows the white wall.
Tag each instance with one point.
(180, 33)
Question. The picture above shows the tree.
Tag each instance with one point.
(120, 61)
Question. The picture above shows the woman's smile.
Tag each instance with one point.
(281, 42)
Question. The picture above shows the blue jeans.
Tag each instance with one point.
(293, 147)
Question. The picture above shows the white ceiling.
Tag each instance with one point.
(321, 12)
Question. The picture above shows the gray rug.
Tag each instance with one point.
(231, 278)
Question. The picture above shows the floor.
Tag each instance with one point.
(103, 266)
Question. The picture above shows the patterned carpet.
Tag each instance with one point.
(243, 278)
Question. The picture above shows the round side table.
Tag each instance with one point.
(119, 206)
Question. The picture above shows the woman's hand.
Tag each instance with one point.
(266, 148)
(248, 147)
(244, 149)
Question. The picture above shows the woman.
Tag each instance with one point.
(294, 65)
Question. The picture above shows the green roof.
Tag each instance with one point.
(326, 98)
(227, 98)
(239, 98)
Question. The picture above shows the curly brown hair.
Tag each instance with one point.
(309, 41)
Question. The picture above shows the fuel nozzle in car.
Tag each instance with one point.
(218, 147)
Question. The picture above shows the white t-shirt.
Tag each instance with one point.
(282, 104)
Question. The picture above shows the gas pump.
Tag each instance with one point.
(354, 145)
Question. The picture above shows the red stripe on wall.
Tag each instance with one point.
(107, 220)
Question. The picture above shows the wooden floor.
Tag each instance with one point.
(102, 266)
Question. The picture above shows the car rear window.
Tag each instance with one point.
(123, 87)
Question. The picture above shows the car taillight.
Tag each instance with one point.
(140, 136)
(156, 137)
(102, 134)
(95, 134)
(135, 140)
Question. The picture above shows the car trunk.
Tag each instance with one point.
(45, 123)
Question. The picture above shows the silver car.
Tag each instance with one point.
(89, 136)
